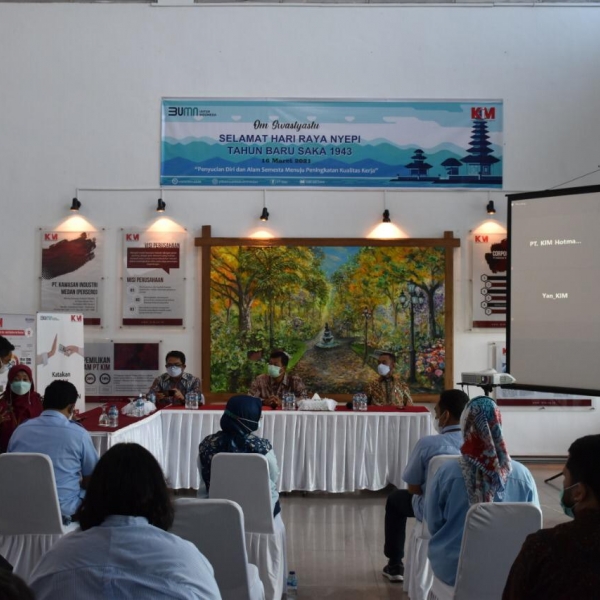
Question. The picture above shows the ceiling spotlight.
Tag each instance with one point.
(75, 205)
(386, 216)
(491, 210)
(160, 206)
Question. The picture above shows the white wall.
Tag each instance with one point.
(80, 107)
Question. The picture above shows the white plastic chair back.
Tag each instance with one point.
(30, 519)
(493, 535)
(216, 528)
(418, 576)
(244, 478)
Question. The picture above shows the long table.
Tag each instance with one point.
(340, 451)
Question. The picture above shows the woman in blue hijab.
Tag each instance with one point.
(241, 418)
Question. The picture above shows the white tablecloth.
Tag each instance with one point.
(146, 432)
(333, 452)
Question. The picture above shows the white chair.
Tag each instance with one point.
(216, 528)
(244, 478)
(30, 519)
(418, 575)
(493, 535)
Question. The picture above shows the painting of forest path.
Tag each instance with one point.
(338, 367)
(332, 309)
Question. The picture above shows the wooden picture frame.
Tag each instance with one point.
(410, 308)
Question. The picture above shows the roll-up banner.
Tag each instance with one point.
(60, 351)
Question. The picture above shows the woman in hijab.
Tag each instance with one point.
(241, 418)
(483, 473)
(19, 402)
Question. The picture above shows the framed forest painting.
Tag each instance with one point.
(333, 305)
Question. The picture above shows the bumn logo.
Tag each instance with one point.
(132, 237)
(483, 113)
(50, 237)
(481, 239)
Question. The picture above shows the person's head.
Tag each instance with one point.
(484, 457)
(582, 475)
(6, 350)
(449, 408)
(175, 363)
(386, 363)
(61, 395)
(278, 362)
(241, 416)
(13, 587)
(127, 481)
(20, 380)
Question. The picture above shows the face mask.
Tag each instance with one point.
(20, 387)
(383, 370)
(568, 510)
(437, 425)
(5, 367)
(174, 371)
(274, 371)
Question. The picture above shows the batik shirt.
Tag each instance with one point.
(187, 383)
(389, 391)
(264, 387)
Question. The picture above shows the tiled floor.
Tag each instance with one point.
(335, 541)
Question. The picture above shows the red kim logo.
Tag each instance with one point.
(482, 113)
(481, 239)
(76, 318)
(132, 237)
(50, 237)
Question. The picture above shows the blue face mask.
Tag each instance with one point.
(20, 387)
(568, 510)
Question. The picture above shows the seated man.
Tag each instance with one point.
(409, 503)
(173, 385)
(483, 473)
(8, 358)
(564, 562)
(271, 386)
(124, 549)
(68, 445)
(388, 389)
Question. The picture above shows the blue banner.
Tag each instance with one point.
(331, 143)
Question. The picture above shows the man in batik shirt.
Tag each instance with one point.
(388, 390)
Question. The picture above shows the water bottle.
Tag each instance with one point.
(363, 402)
(289, 402)
(191, 400)
(356, 402)
(292, 585)
(113, 416)
(103, 418)
(139, 406)
(151, 397)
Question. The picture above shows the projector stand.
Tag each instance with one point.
(553, 477)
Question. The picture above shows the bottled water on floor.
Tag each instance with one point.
(292, 585)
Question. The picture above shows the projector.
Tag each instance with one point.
(489, 377)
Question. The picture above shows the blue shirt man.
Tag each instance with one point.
(68, 445)
(124, 557)
(402, 504)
